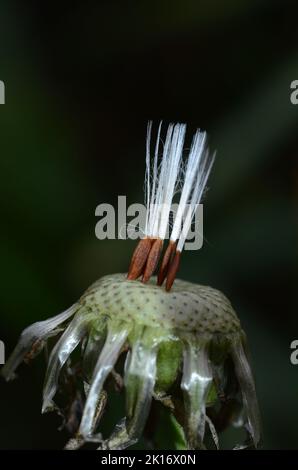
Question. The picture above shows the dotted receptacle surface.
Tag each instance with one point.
(187, 307)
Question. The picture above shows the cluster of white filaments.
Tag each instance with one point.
(169, 172)
(163, 180)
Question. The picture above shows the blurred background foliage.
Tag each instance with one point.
(82, 79)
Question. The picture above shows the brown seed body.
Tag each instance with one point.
(166, 261)
(153, 259)
(172, 271)
(139, 258)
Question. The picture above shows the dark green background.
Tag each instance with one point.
(82, 79)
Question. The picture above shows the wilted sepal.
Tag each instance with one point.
(115, 340)
(139, 380)
(196, 383)
(92, 345)
(59, 355)
(248, 391)
(32, 340)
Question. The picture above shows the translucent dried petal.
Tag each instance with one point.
(105, 363)
(247, 385)
(139, 381)
(196, 382)
(93, 346)
(34, 336)
(59, 355)
(140, 375)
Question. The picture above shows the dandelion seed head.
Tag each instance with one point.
(183, 344)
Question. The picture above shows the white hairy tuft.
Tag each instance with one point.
(189, 180)
(169, 174)
(204, 168)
